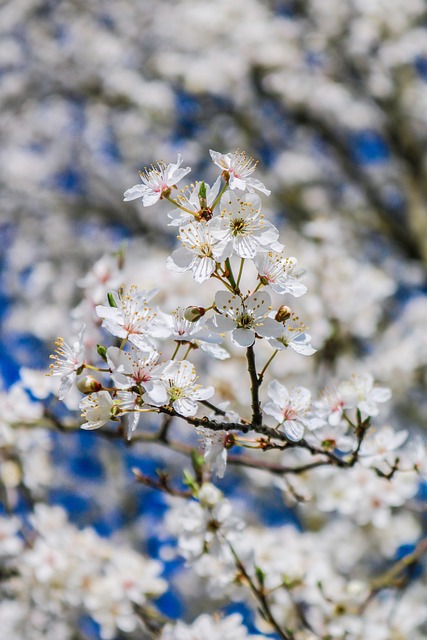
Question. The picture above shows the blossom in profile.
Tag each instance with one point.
(243, 227)
(97, 409)
(68, 362)
(157, 182)
(280, 273)
(293, 335)
(245, 319)
(238, 169)
(291, 409)
(361, 393)
(216, 445)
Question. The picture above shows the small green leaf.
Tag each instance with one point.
(111, 299)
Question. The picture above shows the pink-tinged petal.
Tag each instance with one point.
(243, 337)
(278, 393)
(151, 198)
(293, 430)
(203, 269)
(271, 409)
(237, 183)
(300, 398)
(137, 191)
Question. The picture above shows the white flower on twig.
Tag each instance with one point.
(245, 319)
(242, 225)
(291, 409)
(280, 273)
(200, 251)
(180, 380)
(239, 169)
(68, 361)
(157, 182)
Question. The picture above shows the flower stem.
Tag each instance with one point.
(264, 369)
(230, 275)
(242, 262)
(178, 344)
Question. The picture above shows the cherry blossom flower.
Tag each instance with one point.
(183, 392)
(238, 168)
(157, 182)
(291, 409)
(200, 252)
(245, 318)
(293, 336)
(98, 409)
(68, 362)
(243, 226)
(280, 273)
(137, 367)
(361, 393)
(331, 405)
(132, 319)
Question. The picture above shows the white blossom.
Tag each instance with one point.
(243, 227)
(280, 273)
(246, 318)
(68, 360)
(239, 169)
(180, 380)
(97, 409)
(291, 409)
(156, 181)
(201, 250)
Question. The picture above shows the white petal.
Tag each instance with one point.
(243, 337)
(294, 430)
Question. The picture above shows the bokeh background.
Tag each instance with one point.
(329, 96)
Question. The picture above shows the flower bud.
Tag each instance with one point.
(192, 314)
(88, 384)
(283, 313)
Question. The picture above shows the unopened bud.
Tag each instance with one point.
(192, 314)
(89, 384)
(283, 313)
